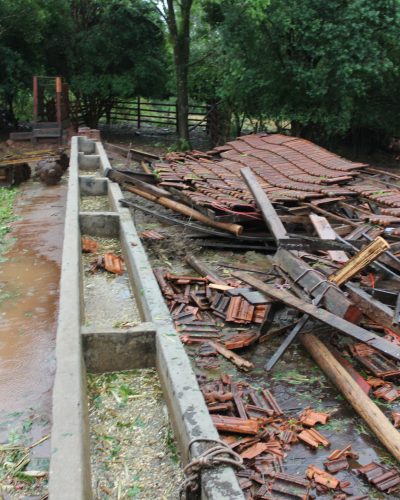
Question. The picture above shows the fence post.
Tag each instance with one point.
(138, 112)
(176, 116)
(35, 99)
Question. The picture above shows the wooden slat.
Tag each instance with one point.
(325, 232)
(269, 214)
(372, 308)
(324, 316)
(312, 281)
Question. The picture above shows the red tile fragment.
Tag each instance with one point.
(150, 234)
(89, 245)
(313, 438)
(321, 477)
(309, 417)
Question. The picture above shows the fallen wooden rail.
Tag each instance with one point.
(326, 317)
(367, 409)
(269, 214)
(185, 210)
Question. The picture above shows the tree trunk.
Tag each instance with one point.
(179, 30)
(181, 69)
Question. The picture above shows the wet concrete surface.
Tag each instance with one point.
(29, 287)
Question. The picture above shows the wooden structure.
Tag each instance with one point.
(141, 111)
(50, 110)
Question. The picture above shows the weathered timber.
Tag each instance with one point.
(335, 278)
(324, 316)
(134, 154)
(203, 269)
(359, 261)
(122, 178)
(367, 409)
(237, 360)
(372, 308)
(269, 214)
(355, 375)
(331, 215)
(185, 210)
(190, 225)
(325, 232)
(314, 283)
(396, 314)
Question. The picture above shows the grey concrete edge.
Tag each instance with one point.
(70, 459)
(188, 411)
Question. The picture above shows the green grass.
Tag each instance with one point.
(7, 197)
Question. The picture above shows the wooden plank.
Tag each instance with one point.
(269, 214)
(324, 316)
(325, 232)
(237, 360)
(372, 308)
(313, 283)
(333, 216)
(363, 405)
(359, 261)
(335, 278)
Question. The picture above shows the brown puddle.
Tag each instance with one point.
(29, 287)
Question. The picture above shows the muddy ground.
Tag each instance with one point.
(29, 286)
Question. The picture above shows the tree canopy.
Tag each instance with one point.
(328, 70)
(326, 67)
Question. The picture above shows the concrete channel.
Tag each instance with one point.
(81, 349)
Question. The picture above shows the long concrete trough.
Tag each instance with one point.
(82, 349)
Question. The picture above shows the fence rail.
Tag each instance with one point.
(140, 111)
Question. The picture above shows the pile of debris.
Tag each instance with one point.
(251, 422)
(50, 166)
(337, 266)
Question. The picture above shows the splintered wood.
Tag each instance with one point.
(361, 260)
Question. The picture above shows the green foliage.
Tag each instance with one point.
(118, 51)
(7, 197)
(327, 67)
(21, 25)
(105, 49)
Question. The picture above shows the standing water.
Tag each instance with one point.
(29, 288)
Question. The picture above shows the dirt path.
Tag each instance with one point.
(29, 284)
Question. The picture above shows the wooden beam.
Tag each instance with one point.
(204, 270)
(367, 409)
(338, 218)
(269, 214)
(372, 308)
(359, 261)
(325, 232)
(312, 282)
(354, 331)
(185, 210)
(122, 178)
(237, 360)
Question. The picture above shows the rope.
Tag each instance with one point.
(219, 454)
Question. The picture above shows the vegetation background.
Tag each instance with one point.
(327, 71)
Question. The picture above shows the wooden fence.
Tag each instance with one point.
(141, 111)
